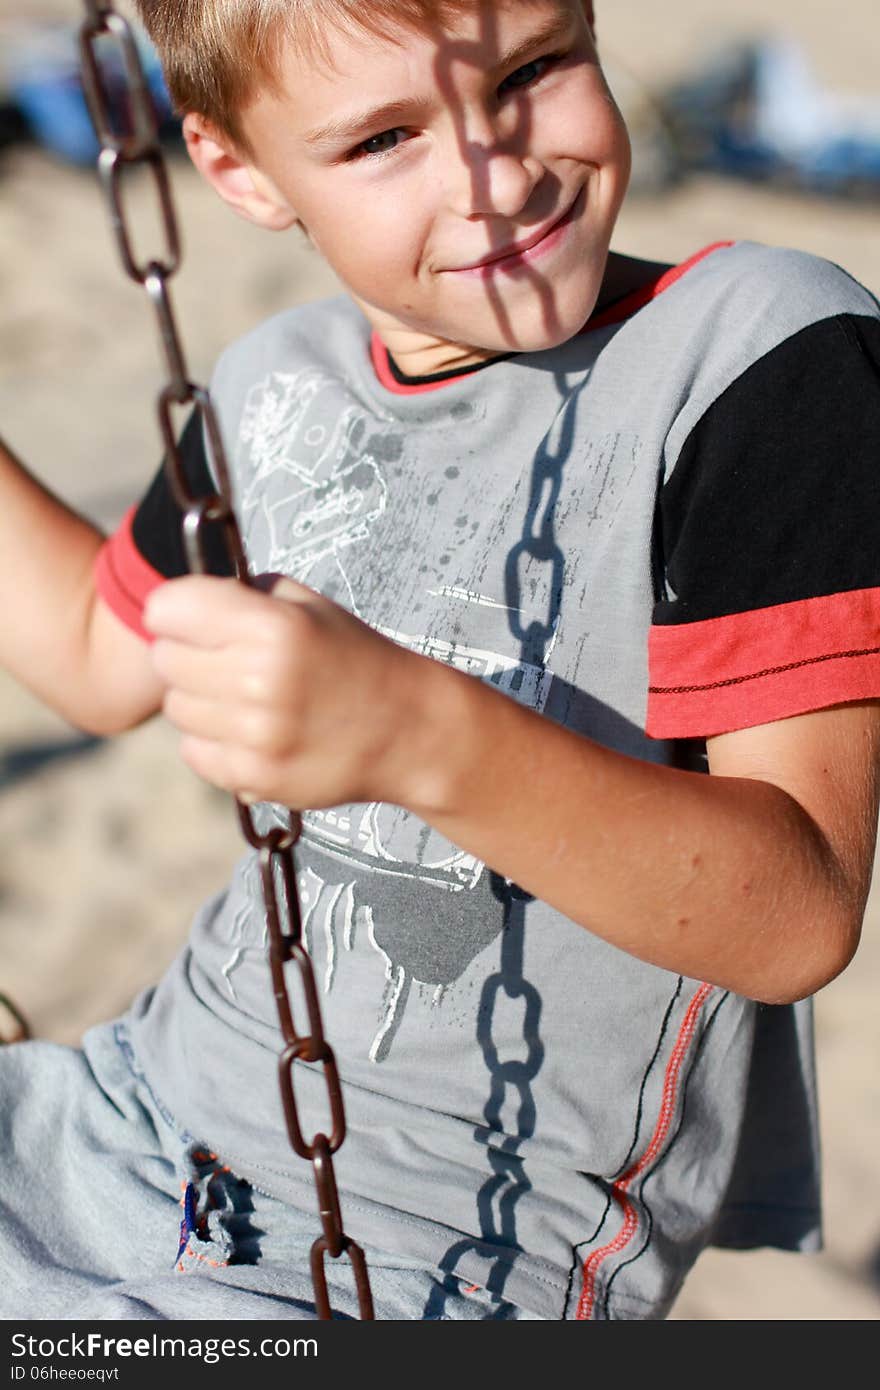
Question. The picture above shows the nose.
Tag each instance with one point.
(487, 177)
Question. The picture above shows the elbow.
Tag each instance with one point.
(113, 723)
(104, 719)
(830, 948)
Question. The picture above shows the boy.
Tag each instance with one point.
(556, 539)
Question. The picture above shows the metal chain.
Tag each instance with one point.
(122, 151)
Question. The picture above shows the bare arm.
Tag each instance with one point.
(57, 637)
(753, 878)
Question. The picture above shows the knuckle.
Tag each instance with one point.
(171, 705)
(257, 729)
(256, 685)
(269, 675)
(255, 773)
(268, 628)
(194, 754)
(260, 678)
(160, 654)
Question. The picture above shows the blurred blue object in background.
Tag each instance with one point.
(755, 110)
(41, 82)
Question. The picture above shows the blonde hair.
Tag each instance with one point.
(217, 54)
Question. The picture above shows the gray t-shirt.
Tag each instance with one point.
(529, 1107)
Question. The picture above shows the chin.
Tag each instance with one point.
(544, 341)
(542, 328)
(542, 337)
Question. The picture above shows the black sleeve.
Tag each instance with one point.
(776, 494)
(157, 523)
(767, 542)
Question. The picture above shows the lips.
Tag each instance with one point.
(518, 251)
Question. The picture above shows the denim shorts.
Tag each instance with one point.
(110, 1210)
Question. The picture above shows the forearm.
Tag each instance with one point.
(47, 637)
(755, 880)
(726, 879)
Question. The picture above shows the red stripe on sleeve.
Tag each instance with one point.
(124, 579)
(721, 674)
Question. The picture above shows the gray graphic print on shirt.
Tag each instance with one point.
(315, 491)
(512, 510)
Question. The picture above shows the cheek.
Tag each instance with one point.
(376, 246)
(331, 217)
(593, 122)
(616, 134)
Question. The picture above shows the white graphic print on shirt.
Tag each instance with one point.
(314, 492)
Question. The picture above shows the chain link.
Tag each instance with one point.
(123, 151)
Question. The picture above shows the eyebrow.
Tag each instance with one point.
(380, 117)
(350, 126)
(554, 31)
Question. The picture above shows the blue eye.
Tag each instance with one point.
(529, 72)
(383, 143)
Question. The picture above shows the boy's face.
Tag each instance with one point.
(462, 183)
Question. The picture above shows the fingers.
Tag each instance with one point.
(205, 611)
(252, 728)
(232, 769)
(183, 609)
(268, 687)
(288, 590)
(214, 637)
(201, 717)
(232, 673)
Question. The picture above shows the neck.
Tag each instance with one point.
(417, 353)
(432, 358)
(624, 275)
(420, 354)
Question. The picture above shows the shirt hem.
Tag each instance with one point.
(717, 675)
(124, 579)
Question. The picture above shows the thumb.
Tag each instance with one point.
(279, 586)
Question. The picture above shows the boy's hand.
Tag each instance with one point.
(283, 696)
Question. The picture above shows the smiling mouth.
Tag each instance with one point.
(509, 257)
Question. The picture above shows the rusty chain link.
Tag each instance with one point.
(121, 152)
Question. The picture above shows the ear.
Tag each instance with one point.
(590, 15)
(238, 182)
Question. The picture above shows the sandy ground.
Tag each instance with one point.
(108, 848)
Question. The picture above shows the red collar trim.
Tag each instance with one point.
(625, 308)
(386, 378)
(616, 313)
